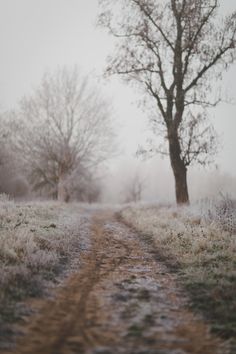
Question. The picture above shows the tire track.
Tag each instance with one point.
(51, 331)
(121, 301)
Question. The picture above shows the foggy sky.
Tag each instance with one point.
(39, 35)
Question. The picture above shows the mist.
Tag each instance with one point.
(117, 176)
(50, 35)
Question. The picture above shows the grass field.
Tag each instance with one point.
(37, 243)
(200, 244)
(40, 242)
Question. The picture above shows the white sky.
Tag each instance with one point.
(39, 35)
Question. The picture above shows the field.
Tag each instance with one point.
(131, 279)
(39, 242)
(199, 243)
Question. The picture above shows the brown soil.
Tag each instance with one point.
(120, 301)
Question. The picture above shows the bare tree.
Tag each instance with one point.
(175, 50)
(66, 131)
(84, 185)
(134, 189)
(12, 179)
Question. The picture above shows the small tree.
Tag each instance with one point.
(134, 189)
(174, 50)
(12, 178)
(66, 131)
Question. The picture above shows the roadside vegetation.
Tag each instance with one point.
(199, 243)
(39, 242)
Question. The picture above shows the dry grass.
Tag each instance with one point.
(37, 242)
(201, 243)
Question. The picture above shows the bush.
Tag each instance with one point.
(222, 211)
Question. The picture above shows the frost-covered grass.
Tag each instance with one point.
(200, 242)
(37, 242)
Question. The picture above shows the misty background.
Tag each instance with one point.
(42, 36)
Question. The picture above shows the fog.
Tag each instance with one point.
(42, 36)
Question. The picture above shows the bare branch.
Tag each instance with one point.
(208, 66)
(148, 14)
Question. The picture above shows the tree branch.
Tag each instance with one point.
(149, 16)
(158, 99)
(207, 67)
(195, 37)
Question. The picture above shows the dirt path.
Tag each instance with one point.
(121, 301)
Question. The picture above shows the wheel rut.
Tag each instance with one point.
(121, 300)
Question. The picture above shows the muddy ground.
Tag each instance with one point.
(121, 300)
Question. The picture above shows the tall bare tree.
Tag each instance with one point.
(174, 50)
(66, 132)
(12, 177)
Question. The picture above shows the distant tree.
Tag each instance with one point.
(174, 50)
(134, 189)
(12, 179)
(66, 132)
(83, 185)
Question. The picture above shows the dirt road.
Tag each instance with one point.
(120, 301)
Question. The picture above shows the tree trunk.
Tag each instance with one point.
(179, 170)
(62, 193)
(181, 186)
